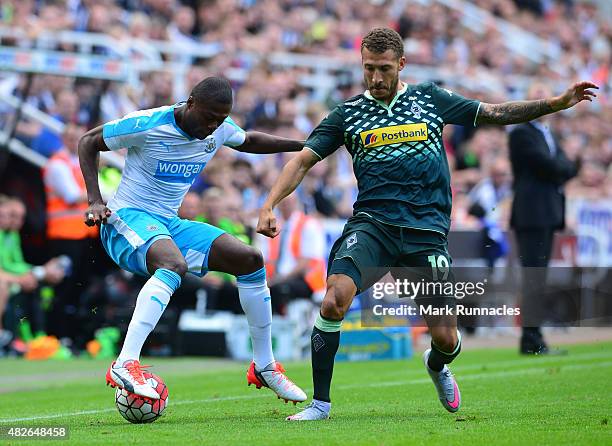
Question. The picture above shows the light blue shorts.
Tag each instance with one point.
(130, 232)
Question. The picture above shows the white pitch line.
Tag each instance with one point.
(474, 376)
(91, 412)
(538, 360)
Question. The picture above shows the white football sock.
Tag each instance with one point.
(255, 300)
(150, 305)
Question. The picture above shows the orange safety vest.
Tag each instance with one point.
(315, 275)
(65, 221)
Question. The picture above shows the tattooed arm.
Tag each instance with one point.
(515, 112)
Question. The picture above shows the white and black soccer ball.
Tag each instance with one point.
(137, 409)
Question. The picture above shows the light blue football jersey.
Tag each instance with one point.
(162, 161)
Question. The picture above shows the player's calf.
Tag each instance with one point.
(264, 371)
(445, 338)
(151, 302)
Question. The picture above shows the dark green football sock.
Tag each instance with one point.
(324, 343)
(437, 358)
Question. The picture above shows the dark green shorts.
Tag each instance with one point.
(368, 248)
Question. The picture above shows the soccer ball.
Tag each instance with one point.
(137, 409)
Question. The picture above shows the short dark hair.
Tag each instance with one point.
(213, 89)
(380, 40)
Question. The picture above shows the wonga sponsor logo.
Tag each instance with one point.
(178, 171)
(394, 135)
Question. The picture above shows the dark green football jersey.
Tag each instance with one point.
(397, 150)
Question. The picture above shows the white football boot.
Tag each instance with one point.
(316, 410)
(445, 383)
(129, 377)
(273, 377)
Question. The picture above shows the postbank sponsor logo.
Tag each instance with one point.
(394, 135)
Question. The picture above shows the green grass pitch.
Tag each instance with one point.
(507, 399)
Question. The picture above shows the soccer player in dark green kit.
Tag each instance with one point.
(402, 214)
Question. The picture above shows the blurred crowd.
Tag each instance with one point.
(272, 98)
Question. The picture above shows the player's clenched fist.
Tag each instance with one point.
(267, 223)
(96, 214)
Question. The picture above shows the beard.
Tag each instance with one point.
(388, 92)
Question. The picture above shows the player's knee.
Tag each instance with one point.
(252, 260)
(179, 266)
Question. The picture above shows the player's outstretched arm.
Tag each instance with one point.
(257, 142)
(90, 144)
(515, 112)
(291, 176)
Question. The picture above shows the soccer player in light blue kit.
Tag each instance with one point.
(167, 149)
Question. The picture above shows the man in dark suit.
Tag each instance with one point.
(540, 168)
